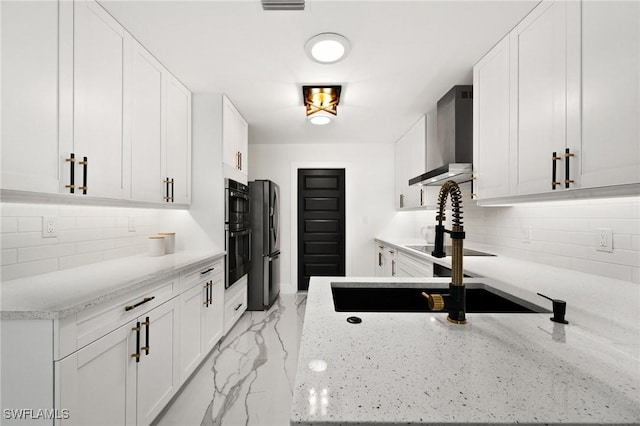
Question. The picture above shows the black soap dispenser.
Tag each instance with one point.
(559, 309)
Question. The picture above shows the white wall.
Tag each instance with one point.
(369, 195)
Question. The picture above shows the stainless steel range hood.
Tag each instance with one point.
(450, 157)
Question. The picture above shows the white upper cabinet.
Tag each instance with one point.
(160, 132)
(99, 62)
(491, 122)
(86, 110)
(177, 140)
(235, 142)
(559, 98)
(29, 96)
(410, 161)
(540, 41)
(610, 93)
(146, 126)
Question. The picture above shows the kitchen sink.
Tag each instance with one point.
(393, 298)
(447, 250)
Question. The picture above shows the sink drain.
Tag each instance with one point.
(354, 320)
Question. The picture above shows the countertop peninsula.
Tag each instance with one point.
(417, 368)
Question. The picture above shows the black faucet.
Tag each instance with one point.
(454, 302)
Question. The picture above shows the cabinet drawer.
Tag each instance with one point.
(77, 331)
(234, 308)
(201, 273)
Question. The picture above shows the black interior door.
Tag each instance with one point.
(321, 227)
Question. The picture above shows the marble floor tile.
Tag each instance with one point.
(249, 377)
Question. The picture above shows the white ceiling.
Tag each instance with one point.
(405, 55)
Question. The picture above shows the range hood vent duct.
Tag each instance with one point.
(449, 157)
(283, 4)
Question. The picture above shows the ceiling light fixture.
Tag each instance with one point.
(327, 48)
(321, 103)
(283, 4)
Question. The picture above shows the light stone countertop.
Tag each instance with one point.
(59, 294)
(417, 368)
(597, 303)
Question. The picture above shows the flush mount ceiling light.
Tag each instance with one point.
(327, 48)
(321, 103)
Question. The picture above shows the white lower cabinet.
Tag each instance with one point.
(158, 373)
(201, 316)
(119, 362)
(380, 259)
(235, 303)
(97, 384)
(125, 377)
(386, 260)
(413, 266)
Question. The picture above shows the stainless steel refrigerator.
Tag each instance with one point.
(264, 275)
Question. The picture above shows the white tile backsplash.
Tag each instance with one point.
(86, 234)
(563, 233)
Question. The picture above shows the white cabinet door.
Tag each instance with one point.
(158, 369)
(401, 158)
(242, 132)
(235, 142)
(177, 146)
(230, 135)
(610, 93)
(97, 384)
(213, 314)
(235, 303)
(146, 125)
(191, 311)
(99, 46)
(541, 86)
(379, 255)
(410, 156)
(29, 96)
(491, 121)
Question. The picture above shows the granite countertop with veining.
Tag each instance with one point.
(417, 368)
(59, 294)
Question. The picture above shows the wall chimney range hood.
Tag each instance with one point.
(450, 157)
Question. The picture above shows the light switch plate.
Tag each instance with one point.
(604, 240)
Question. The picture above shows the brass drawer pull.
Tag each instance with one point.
(146, 348)
(72, 185)
(554, 182)
(136, 355)
(142, 302)
(567, 165)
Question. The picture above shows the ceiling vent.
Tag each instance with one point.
(283, 4)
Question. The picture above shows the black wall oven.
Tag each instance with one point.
(237, 230)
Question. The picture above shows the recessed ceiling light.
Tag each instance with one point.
(327, 48)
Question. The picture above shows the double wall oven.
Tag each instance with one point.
(237, 231)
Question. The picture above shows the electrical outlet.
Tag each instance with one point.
(526, 234)
(49, 227)
(604, 240)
